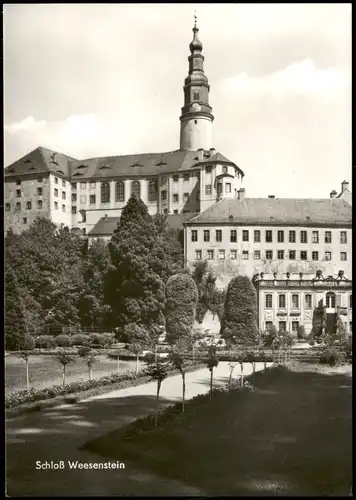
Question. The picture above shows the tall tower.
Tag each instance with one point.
(196, 128)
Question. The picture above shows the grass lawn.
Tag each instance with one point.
(291, 436)
(45, 371)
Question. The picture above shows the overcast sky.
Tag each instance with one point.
(97, 80)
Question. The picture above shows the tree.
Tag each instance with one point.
(210, 298)
(301, 332)
(157, 371)
(64, 358)
(179, 362)
(181, 300)
(138, 338)
(250, 358)
(133, 290)
(28, 344)
(15, 326)
(232, 366)
(240, 317)
(90, 359)
(195, 337)
(211, 363)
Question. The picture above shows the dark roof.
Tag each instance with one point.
(41, 160)
(219, 158)
(177, 221)
(104, 227)
(277, 211)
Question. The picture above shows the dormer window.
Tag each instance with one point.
(82, 166)
(137, 165)
(28, 161)
(103, 167)
(161, 162)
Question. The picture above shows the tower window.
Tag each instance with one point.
(105, 192)
(196, 96)
(195, 121)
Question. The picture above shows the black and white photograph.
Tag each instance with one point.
(177, 249)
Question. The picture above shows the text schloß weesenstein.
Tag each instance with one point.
(73, 465)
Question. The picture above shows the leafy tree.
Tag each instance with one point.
(157, 371)
(181, 300)
(210, 298)
(240, 317)
(64, 358)
(138, 338)
(45, 341)
(15, 326)
(168, 258)
(179, 362)
(90, 360)
(84, 351)
(133, 290)
(80, 339)
(211, 363)
(63, 341)
(232, 366)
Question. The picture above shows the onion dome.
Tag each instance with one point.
(196, 45)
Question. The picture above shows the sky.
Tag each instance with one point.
(96, 80)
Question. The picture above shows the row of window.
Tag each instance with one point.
(282, 326)
(63, 182)
(330, 301)
(269, 236)
(19, 192)
(63, 194)
(209, 188)
(56, 206)
(257, 255)
(28, 205)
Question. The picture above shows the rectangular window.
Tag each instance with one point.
(282, 301)
(175, 212)
(221, 254)
(315, 255)
(224, 169)
(245, 255)
(233, 236)
(343, 256)
(163, 195)
(228, 187)
(28, 205)
(268, 301)
(269, 255)
(295, 301)
(280, 254)
(308, 301)
(92, 199)
(303, 255)
(194, 235)
(175, 198)
(56, 193)
(327, 236)
(219, 188)
(291, 254)
(257, 236)
(343, 237)
(83, 199)
(83, 185)
(92, 185)
(63, 208)
(185, 196)
(175, 178)
(208, 189)
(210, 254)
(74, 196)
(268, 325)
(63, 183)
(39, 204)
(18, 206)
(63, 195)
(40, 179)
(257, 255)
(218, 235)
(184, 211)
(74, 185)
(233, 254)
(74, 210)
(315, 237)
(282, 326)
(327, 255)
(186, 177)
(39, 191)
(18, 183)
(291, 236)
(245, 235)
(18, 193)
(269, 236)
(56, 205)
(303, 237)
(208, 170)
(206, 235)
(280, 236)
(197, 254)
(24, 220)
(295, 326)
(8, 207)
(56, 180)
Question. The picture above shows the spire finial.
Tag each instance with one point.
(195, 20)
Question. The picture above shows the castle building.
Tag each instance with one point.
(79, 193)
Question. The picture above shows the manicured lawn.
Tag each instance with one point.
(45, 371)
(291, 436)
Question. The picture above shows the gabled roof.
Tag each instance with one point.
(104, 227)
(176, 221)
(278, 211)
(41, 160)
(219, 158)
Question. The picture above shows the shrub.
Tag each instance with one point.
(84, 350)
(80, 339)
(63, 340)
(331, 357)
(46, 342)
(97, 339)
(28, 343)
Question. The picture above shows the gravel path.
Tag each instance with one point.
(56, 434)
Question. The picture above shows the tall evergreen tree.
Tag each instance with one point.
(15, 325)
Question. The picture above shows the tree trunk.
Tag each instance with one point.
(211, 384)
(253, 370)
(193, 352)
(265, 365)
(90, 372)
(137, 356)
(230, 377)
(156, 347)
(230, 354)
(242, 374)
(118, 364)
(64, 375)
(183, 399)
(157, 401)
(27, 376)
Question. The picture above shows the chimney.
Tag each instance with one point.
(105, 216)
(201, 153)
(344, 186)
(333, 194)
(271, 196)
(212, 151)
(241, 194)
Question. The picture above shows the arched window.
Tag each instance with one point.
(282, 301)
(105, 192)
(136, 189)
(295, 301)
(120, 191)
(268, 301)
(308, 301)
(196, 96)
(330, 300)
(152, 191)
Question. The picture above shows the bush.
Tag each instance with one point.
(331, 357)
(28, 343)
(97, 339)
(63, 340)
(80, 339)
(46, 342)
(84, 350)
